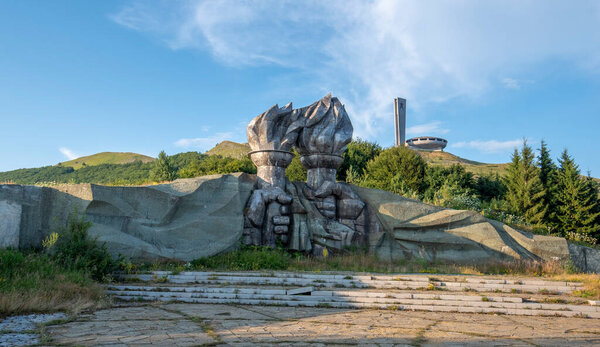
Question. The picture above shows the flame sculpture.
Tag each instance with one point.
(271, 135)
(326, 133)
(320, 132)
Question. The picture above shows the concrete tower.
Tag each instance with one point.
(400, 120)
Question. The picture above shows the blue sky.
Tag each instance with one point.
(81, 77)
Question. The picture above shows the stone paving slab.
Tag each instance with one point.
(196, 324)
(131, 326)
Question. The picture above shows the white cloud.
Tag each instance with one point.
(204, 143)
(489, 146)
(511, 83)
(368, 52)
(68, 153)
(433, 128)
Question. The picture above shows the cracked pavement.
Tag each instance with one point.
(181, 324)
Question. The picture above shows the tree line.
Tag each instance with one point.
(536, 193)
(181, 165)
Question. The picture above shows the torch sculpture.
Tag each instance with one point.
(270, 136)
(326, 133)
(328, 213)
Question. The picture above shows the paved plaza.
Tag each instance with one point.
(184, 324)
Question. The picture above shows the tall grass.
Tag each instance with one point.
(34, 282)
(61, 278)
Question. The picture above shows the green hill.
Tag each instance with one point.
(230, 149)
(477, 168)
(107, 158)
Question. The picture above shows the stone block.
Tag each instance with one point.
(302, 290)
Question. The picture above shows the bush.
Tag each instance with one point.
(398, 169)
(445, 183)
(356, 157)
(75, 250)
(247, 258)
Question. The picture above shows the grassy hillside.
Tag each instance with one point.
(447, 159)
(107, 158)
(230, 149)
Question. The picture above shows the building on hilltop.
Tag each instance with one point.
(428, 143)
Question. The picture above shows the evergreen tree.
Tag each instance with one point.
(296, 172)
(594, 194)
(163, 170)
(577, 207)
(547, 173)
(524, 189)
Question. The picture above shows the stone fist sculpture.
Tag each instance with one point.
(267, 217)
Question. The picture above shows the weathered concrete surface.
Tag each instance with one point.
(35, 210)
(11, 224)
(418, 230)
(587, 259)
(191, 218)
(186, 219)
(195, 324)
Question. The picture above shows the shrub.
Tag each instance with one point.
(356, 156)
(398, 170)
(247, 258)
(75, 250)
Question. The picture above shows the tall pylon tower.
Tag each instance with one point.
(400, 121)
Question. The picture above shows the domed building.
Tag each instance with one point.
(428, 143)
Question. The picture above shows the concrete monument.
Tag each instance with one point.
(204, 216)
(320, 133)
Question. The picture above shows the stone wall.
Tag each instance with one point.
(204, 216)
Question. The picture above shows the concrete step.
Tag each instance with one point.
(324, 294)
(398, 277)
(339, 281)
(455, 303)
(417, 306)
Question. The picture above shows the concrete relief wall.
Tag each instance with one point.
(192, 218)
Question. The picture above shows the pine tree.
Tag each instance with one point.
(547, 173)
(163, 170)
(593, 188)
(577, 208)
(525, 192)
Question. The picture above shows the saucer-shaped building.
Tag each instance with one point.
(428, 143)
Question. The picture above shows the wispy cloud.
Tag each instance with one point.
(433, 128)
(511, 83)
(204, 143)
(489, 146)
(68, 153)
(368, 52)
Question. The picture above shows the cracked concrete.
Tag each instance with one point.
(177, 324)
